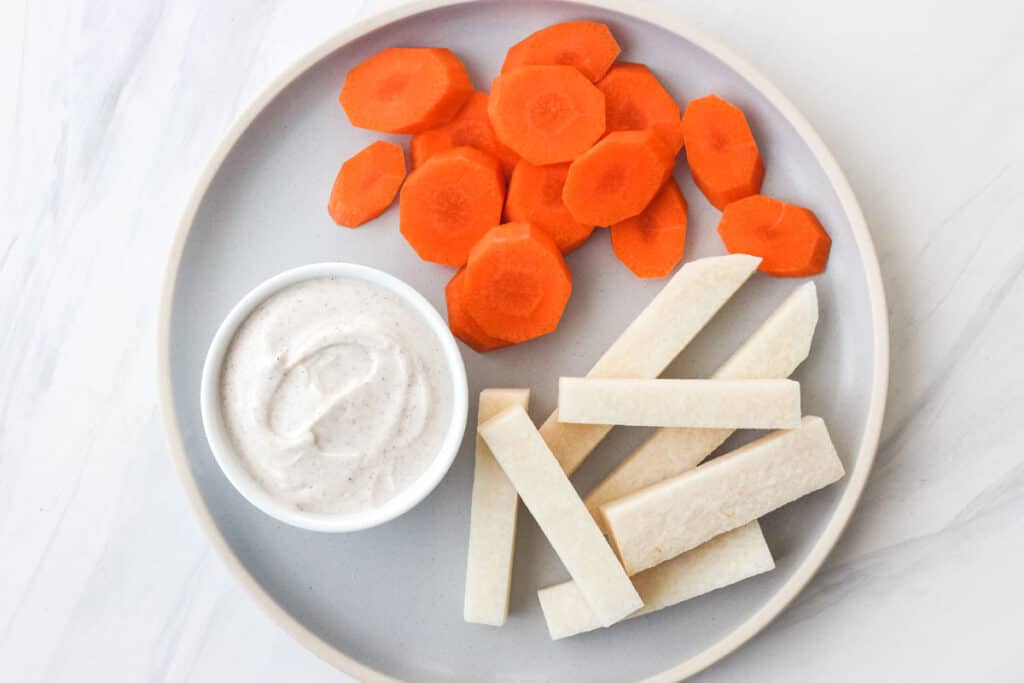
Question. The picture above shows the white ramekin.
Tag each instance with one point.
(223, 448)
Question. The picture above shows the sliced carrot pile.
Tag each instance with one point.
(546, 114)
(721, 151)
(471, 127)
(367, 184)
(405, 89)
(617, 178)
(535, 197)
(461, 323)
(636, 100)
(567, 140)
(788, 238)
(586, 45)
(449, 202)
(651, 244)
(517, 283)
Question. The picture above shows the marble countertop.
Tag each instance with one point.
(109, 108)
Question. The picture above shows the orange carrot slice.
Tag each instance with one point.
(721, 151)
(471, 127)
(788, 238)
(546, 114)
(635, 99)
(651, 244)
(617, 178)
(462, 325)
(586, 45)
(367, 184)
(535, 197)
(517, 283)
(671, 133)
(449, 202)
(405, 89)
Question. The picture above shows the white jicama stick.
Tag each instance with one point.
(774, 351)
(781, 343)
(492, 521)
(724, 560)
(705, 403)
(669, 451)
(561, 515)
(659, 522)
(644, 349)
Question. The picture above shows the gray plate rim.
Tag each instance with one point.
(876, 296)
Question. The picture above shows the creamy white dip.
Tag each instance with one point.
(335, 394)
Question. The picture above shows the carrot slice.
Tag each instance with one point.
(517, 283)
(721, 151)
(671, 133)
(788, 238)
(535, 197)
(449, 202)
(471, 127)
(586, 45)
(461, 323)
(635, 99)
(367, 184)
(651, 244)
(617, 178)
(405, 89)
(547, 114)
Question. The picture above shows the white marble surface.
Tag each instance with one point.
(110, 106)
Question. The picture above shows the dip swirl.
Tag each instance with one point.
(334, 394)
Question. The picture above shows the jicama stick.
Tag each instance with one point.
(722, 561)
(561, 515)
(492, 521)
(705, 403)
(664, 328)
(657, 523)
(774, 351)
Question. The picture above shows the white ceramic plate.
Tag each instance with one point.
(388, 602)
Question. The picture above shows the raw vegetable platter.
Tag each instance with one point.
(387, 603)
